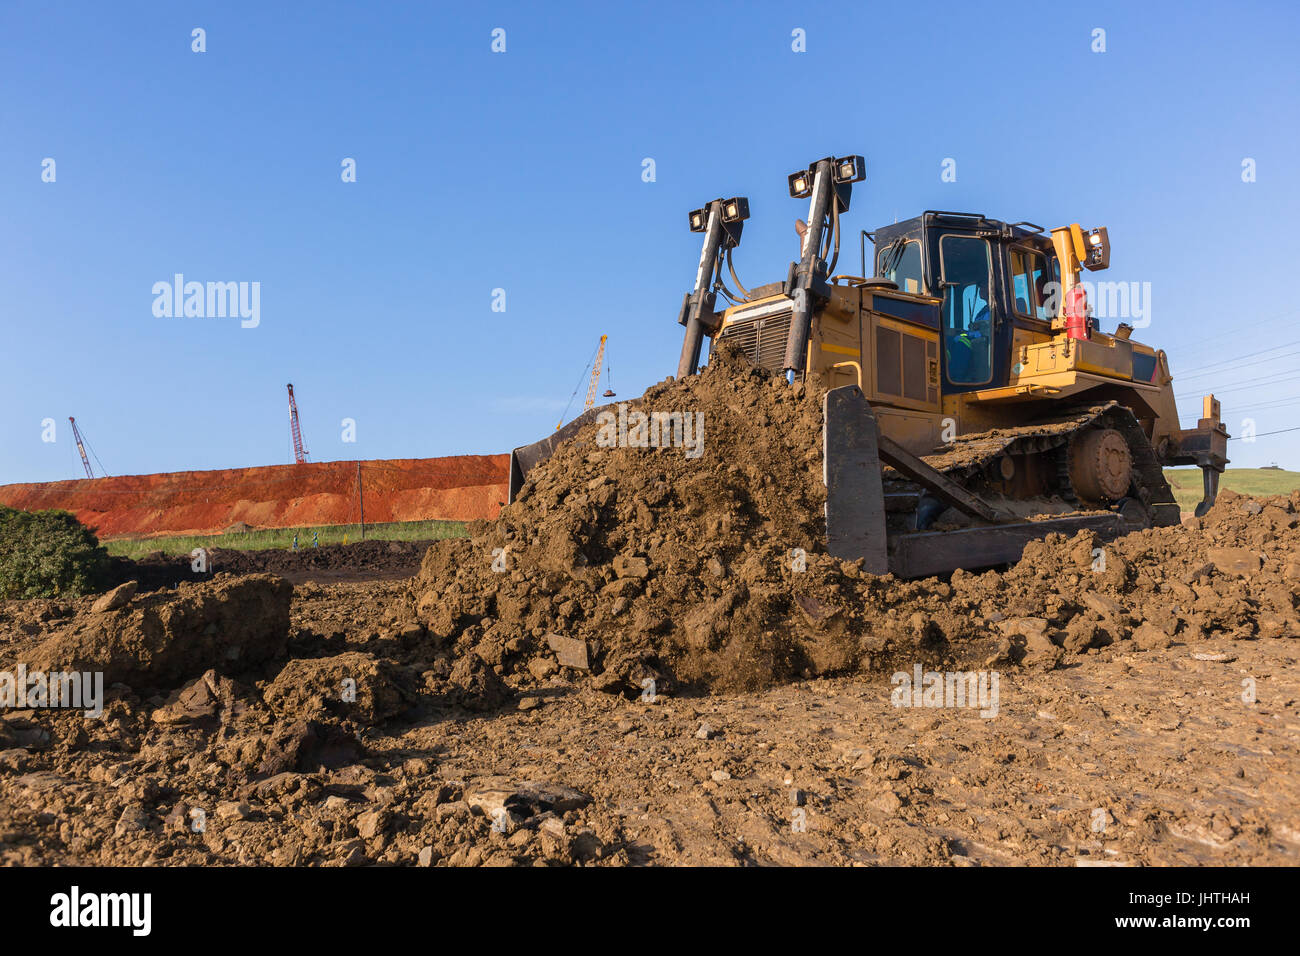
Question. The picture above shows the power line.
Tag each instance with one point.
(1275, 378)
(1204, 342)
(1266, 434)
(1233, 365)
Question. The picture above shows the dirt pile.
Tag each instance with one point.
(643, 563)
(700, 564)
(159, 640)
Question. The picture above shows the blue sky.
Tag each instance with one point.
(523, 171)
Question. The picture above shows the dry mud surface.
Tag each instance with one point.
(649, 659)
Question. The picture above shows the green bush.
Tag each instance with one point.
(48, 554)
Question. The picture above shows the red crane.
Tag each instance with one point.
(299, 453)
(81, 447)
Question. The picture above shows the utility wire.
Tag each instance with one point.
(1266, 434)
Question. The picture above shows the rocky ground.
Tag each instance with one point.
(648, 659)
(1122, 754)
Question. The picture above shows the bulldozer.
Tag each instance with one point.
(970, 403)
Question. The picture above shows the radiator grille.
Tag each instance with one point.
(762, 340)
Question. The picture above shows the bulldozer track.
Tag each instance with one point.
(968, 457)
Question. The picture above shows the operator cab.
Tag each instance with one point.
(992, 276)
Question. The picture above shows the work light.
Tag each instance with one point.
(850, 169)
(800, 184)
(735, 210)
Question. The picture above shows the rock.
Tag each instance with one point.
(1040, 652)
(199, 700)
(425, 857)
(307, 745)
(351, 686)
(167, 639)
(719, 775)
(569, 651)
(119, 597)
(541, 668)
(231, 810)
(525, 799)
(631, 566)
(132, 820)
(1215, 658)
(1239, 561)
(476, 686)
(1149, 637)
(530, 703)
(1082, 634)
(1024, 626)
(705, 732)
(371, 823)
(1106, 606)
(889, 801)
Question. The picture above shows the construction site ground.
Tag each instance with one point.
(1124, 755)
(649, 659)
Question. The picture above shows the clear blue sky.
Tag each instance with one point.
(523, 171)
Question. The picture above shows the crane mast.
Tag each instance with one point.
(595, 375)
(81, 447)
(299, 453)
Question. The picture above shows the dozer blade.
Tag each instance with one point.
(855, 496)
(926, 553)
(527, 457)
(854, 456)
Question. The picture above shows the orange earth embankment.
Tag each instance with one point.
(459, 488)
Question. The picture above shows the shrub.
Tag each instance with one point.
(48, 554)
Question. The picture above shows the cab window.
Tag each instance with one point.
(967, 325)
(900, 262)
(1030, 284)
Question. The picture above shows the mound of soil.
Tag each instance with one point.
(157, 641)
(639, 563)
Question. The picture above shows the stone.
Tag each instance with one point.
(1239, 561)
(541, 668)
(132, 820)
(1106, 606)
(1149, 637)
(119, 597)
(371, 823)
(631, 566)
(232, 810)
(523, 799)
(569, 651)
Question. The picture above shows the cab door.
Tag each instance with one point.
(969, 326)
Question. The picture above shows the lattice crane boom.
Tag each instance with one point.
(299, 453)
(81, 446)
(595, 375)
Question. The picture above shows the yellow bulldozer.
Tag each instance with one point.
(970, 402)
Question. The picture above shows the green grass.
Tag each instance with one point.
(1186, 483)
(283, 537)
